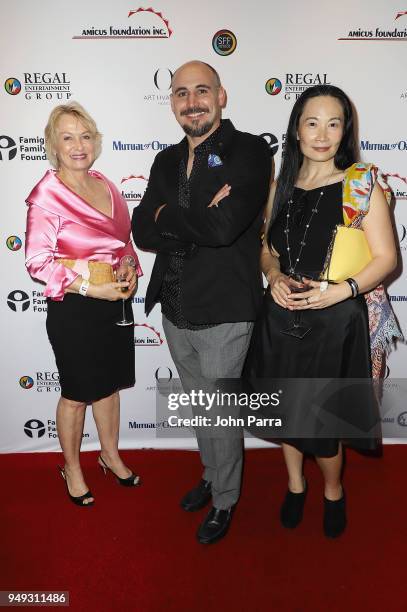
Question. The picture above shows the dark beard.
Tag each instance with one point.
(194, 130)
(198, 131)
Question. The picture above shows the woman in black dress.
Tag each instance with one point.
(305, 205)
(78, 234)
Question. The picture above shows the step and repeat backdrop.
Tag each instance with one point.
(117, 59)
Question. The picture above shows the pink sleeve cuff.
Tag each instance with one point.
(61, 277)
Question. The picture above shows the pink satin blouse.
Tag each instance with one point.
(61, 224)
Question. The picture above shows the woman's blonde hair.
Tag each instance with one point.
(77, 111)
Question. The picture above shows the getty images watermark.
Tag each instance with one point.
(202, 400)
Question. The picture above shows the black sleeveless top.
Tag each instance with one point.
(319, 234)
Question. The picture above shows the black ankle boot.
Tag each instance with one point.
(292, 508)
(334, 517)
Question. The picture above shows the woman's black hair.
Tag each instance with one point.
(291, 163)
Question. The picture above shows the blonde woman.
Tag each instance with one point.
(78, 230)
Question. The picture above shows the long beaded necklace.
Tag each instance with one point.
(314, 211)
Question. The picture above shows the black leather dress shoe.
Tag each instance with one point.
(215, 526)
(198, 497)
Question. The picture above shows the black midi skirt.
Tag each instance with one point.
(335, 352)
(94, 356)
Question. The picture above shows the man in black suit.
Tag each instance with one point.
(202, 214)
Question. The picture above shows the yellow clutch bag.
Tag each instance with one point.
(348, 254)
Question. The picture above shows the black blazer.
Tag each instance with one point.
(221, 278)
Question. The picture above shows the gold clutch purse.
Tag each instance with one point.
(98, 272)
(348, 254)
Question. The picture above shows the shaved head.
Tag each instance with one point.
(196, 63)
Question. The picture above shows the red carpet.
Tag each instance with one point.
(136, 550)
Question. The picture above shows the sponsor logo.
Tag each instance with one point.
(273, 143)
(273, 86)
(398, 298)
(26, 382)
(379, 33)
(34, 428)
(399, 194)
(224, 42)
(138, 300)
(294, 83)
(366, 145)
(40, 86)
(154, 145)
(402, 419)
(402, 236)
(403, 95)
(12, 86)
(8, 148)
(148, 425)
(134, 187)
(163, 374)
(28, 148)
(18, 300)
(144, 23)
(43, 382)
(162, 83)
(402, 232)
(146, 335)
(14, 243)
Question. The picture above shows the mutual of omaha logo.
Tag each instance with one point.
(145, 23)
(14, 243)
(146, 335)
(12, 86)
(26, 382)
(224, 42)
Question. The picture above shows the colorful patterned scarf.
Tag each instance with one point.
(358, 185)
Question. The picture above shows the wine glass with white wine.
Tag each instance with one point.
(126, 263)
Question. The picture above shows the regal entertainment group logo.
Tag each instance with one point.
(144, 23)
(45, 381)
(294, 83)
(14, 243)
(40, 86)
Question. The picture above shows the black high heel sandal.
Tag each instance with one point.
(78, 501)
(131, 481)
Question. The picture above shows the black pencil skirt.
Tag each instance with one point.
(94, 356)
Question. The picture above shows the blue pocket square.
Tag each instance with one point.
(214, 160)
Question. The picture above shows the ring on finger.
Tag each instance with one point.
(307, 300)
